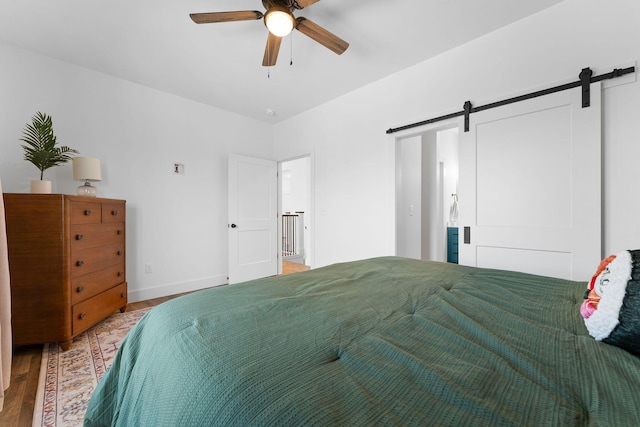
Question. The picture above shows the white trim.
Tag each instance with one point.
(176, 288)
(394, 140)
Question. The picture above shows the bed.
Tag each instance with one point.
(384, 341)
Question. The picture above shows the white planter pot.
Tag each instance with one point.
(41, 187)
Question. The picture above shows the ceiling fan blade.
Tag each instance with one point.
(271, 51)
(213, 17)
(322, 36)
(301, 4)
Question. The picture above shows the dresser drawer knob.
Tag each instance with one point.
(114, 212)
(80, 289)
(82, 316)
(123, 295)
(120, 232)
(120, 273)
(80, 263)
(119, 253)
(87, 212)
(79, 236)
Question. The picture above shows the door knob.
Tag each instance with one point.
(233, 226)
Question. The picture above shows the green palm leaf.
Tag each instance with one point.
(40, 144)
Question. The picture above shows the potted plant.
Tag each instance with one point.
(41, 150)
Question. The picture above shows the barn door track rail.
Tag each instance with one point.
(586, 78)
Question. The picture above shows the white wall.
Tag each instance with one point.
(448, 155)
(176, 223)
(432, 232)
(448, 158)
(295, 185)
(354, 157)
(409, 198)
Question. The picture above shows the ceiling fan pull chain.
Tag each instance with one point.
(291, 60)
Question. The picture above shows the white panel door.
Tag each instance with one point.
(530, 186)
(252, 218)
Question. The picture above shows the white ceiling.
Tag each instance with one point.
(155, 43)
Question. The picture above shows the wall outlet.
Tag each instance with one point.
(148, 268)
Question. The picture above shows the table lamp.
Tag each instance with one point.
(86, 169)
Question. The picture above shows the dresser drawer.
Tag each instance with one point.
(85, 236)
(89, 285)
(95, 259)
(91, 311)
(113, 212)
(86, 213)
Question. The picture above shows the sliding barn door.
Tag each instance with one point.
(253, 227)
(530, 187)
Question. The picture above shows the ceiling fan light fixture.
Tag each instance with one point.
(279, 21)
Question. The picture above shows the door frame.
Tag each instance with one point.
(310, 216)
(395, 140)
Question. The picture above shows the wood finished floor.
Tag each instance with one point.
(20, 398)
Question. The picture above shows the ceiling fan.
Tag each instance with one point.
(280, 21)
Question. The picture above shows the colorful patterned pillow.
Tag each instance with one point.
(611, 309)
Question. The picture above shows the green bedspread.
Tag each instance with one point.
(385, 341)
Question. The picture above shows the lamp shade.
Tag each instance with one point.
(279, 21)
(86, 169)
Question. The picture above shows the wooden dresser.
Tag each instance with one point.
(67, 264)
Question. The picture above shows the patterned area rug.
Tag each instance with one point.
(68, 378)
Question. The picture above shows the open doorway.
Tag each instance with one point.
(295, 208)
(426, 188)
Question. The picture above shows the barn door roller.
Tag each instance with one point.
(585, 82)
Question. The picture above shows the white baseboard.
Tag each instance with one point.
(175, 288)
